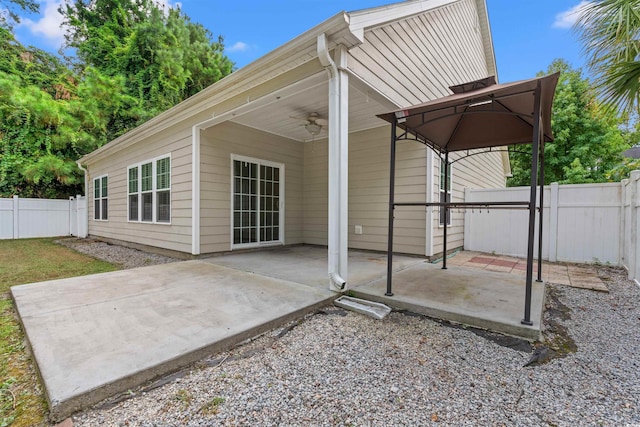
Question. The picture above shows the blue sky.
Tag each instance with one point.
(527, 34)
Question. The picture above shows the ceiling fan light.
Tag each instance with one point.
(313, 128)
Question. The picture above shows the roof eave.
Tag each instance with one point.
(337, 30)
(485, 28)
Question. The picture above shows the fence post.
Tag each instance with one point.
(83, 216)
(554, 189)
(634, 246)
(467, 221)
(71, 215)
(16, 213)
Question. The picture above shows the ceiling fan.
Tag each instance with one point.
(314, 123)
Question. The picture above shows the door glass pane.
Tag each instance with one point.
(270, 187)
(255, 183)
(244, 203)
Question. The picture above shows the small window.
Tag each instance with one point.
(100, 198)
(150, 191)
(445, 198)
(133, 194)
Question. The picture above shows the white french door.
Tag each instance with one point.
(257, 202)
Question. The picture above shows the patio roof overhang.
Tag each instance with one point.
(480, 115)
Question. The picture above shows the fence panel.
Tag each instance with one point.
(26, 218)
(43, 218)
(6, 218)
(581, 223)
(589, 217)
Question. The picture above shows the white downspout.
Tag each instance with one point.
(338, 163)
(86, 201)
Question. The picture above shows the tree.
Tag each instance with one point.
(163, 56)
(48, 119)
(134, 60)
(588, 143)
(609, 33)
(8, 14)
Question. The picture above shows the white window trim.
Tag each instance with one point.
(99, 178)
(154, 190)
(441, 190)
(281, 202)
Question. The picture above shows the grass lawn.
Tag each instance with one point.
(22, 401)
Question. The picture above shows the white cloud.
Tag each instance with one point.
(238, 47)
(569, 17)
(49, 25)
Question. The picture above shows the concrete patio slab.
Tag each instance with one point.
(95, 336)
(308, 264)
(487, 300)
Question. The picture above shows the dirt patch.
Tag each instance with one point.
(556, 342)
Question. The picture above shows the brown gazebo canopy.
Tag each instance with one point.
(480, 115)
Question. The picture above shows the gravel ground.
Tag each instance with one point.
(340, 368)
(115, 254)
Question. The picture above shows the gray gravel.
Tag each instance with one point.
(115, 254)
(341, 368)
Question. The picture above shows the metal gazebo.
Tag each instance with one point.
(480, 116)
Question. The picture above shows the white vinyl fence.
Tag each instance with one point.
(24, 218)
(585, 223)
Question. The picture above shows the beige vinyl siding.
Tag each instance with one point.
(369, 192)
(479, 171)
(416, 59)
(174, 236)
(216, 146)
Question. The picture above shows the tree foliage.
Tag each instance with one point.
(609, 32)
(9, 11)
(163, 55)
(132, 61)
(588, 143)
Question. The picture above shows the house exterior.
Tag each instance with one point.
(236, 166)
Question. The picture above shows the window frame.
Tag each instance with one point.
(104, 216)
(441, 191)
(153, 191)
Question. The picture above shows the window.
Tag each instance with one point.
(445, 198)
(150, 191)
(100, 199)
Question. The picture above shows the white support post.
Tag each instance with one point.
(634, 227)
(553, 222)
(16, 214)
(338, 163)
(195, 190)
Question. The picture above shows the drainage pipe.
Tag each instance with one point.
(338, 163)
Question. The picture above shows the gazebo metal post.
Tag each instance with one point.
(392, 185)
(446, 209)
(540, 215)
(532, 205)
